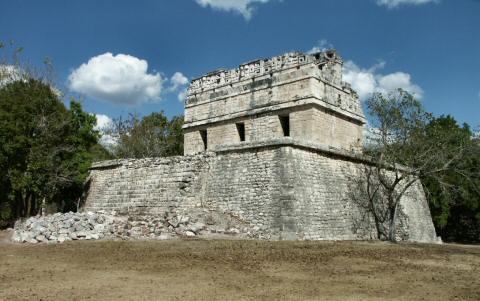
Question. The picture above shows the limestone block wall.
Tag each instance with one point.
(292, 191)
(301, 194)
(263, 88)
(236, 100)
(219, 134)
(301, 125)
(256, 128)
(321, 190)
(334, 130)
(342, 99)
(195, 144)
(262, 127)
(243, 183)
(147, 186)
(308, 123)
(417, 215)
(278, 79)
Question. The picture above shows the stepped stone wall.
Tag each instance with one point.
(146, 186)
(271, 144)
(292, 190)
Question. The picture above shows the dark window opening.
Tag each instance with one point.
(241, 131)
(285, 122)
(330, 54)
(203, 134)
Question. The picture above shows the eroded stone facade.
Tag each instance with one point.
(297, 95)
(287, 189)
(274, 144)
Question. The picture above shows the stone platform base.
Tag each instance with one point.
(288, 189)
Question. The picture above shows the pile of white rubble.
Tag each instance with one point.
(61, 227)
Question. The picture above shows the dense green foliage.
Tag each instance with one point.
(445, 156)
(454, 195)
(151, 136)
(45, 149)
(399, 121)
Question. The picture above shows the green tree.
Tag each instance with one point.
(406, 146)
(45, 148)
(24, 109)
(454, 195)
(151, 136)
(174, 138)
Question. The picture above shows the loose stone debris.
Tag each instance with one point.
(62, 227)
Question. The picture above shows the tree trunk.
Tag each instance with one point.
(392, 232)
(28, 205)
(378, 224)
(19, 204)
(43, 207)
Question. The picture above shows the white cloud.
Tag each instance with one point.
(243, 7)
(103, 124)
(178, 80)
(368, 81)
(121, 79)
(108, 141)
(322, 45)
(362, 81)
(396, 3)
(397, 80)
(182, 95)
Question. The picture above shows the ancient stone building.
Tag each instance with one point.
(273, 143)
(295, 95)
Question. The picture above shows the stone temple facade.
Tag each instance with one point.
(273, 143)
(294, 95)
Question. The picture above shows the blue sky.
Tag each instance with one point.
(101, 49)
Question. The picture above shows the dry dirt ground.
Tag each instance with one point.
(238, 270)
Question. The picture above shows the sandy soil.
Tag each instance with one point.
(238, 270)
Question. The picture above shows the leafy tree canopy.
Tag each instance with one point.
(455, 193)
(413, 144)
(45, 148)
(151, 136)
